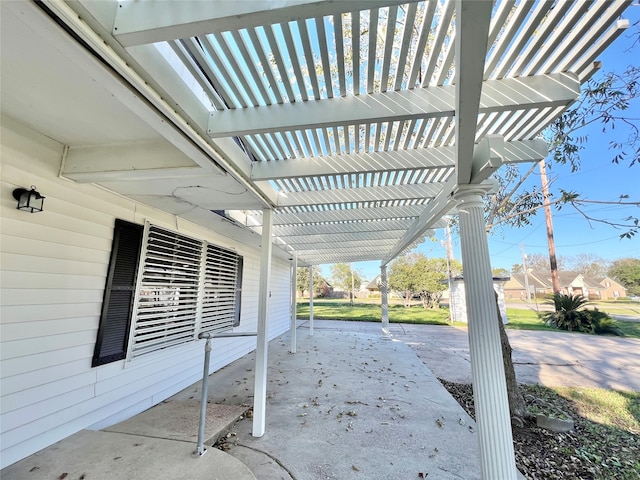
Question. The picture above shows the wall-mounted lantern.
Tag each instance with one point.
(29, 200)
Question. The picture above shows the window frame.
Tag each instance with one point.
(172, 302)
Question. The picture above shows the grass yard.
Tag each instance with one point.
(339, 309)
(370, 312)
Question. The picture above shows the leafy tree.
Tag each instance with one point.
(415, 274)
(302, 281)
(345, 277)
(500, 272)
(627, 272)
(402, 278)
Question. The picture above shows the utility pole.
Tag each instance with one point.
(353, 293)
(449, 247)
(526, 273)
(555, 281)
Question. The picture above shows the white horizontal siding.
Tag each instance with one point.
(53, 296)
(52, 276)
(10, 332)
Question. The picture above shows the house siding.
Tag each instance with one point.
(53, 269)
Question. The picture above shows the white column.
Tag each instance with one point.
(386, 334)
(489, 387)
(260, 388)
(294, 309)
(311, 300)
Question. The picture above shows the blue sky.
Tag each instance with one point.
(598, 179)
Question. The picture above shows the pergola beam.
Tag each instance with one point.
(355, 245)
(143, 22)
(558, 89)
(320, 238)
(371, 213)
(436, 209)
(392, 225)
(516, 151)
(472, 29)
(352, 195)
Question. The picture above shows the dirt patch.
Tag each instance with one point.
(591, 451)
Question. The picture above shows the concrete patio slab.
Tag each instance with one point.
(115, 456)
(179, 420)
(351, 405)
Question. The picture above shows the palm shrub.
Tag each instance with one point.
(602, 323)
(567, 315)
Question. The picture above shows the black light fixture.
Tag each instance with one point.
(29, 200)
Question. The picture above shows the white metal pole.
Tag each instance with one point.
(294, 309)
(311, 300)
(386, 334)
(260, 388)
(489, 386)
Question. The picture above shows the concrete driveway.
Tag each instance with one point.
(547, 358)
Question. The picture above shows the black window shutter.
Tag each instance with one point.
(119, 293)
(238, 291)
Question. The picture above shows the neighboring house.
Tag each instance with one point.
(326, 289)
(514, 288)
(374, 285)
(571, 283)
(611, 289)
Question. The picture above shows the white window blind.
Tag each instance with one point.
(185, 286)
(168, 294)
(220, 285)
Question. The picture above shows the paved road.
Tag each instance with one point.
(610, 309)
(548, 358)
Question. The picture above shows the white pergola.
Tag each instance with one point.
(342, 130)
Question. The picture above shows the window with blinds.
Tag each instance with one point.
(184, 286)
(219, 303)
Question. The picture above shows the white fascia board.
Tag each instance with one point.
(142, 22)
(497, 96)
(131, 161)
(365, 194)
(434, 211)
(473, 20)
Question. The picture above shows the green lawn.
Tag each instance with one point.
(338, 309)
(370, 312)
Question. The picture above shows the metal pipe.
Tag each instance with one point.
(200, 450)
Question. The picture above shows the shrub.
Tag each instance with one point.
(567, 315)
(570, 316)
(602, 323)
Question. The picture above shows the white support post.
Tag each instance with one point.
(311, 300)
(489, 386)
(294, 309)
(260, 388)
(386, 334)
